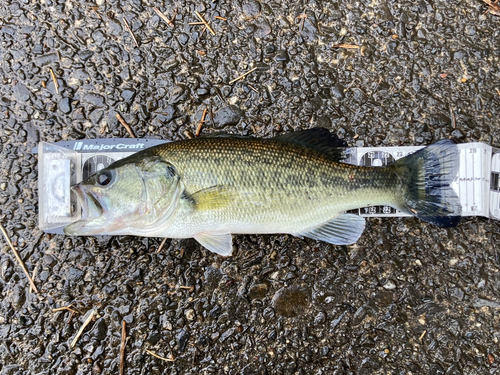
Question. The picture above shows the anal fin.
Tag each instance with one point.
(217, 242)
(343, 230)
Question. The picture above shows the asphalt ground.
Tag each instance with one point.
(408, 298)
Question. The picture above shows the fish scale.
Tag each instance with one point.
(281, 187)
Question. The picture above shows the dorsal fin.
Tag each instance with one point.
(225, 135)
(319, 139)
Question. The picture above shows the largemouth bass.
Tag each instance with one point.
(211, 187)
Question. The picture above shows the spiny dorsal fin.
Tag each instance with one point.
(319, 139)
(225, 135)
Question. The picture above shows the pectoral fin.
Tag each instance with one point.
(343, 230)
(217, 242)
(213, 198)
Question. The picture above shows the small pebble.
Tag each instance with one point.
(190, 315)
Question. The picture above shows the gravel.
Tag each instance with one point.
(407, 298)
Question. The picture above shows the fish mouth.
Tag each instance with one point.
(91, 207)
(92, 211)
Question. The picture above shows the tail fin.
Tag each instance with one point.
(427, 175)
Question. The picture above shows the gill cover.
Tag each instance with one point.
(131, 196)
(162, 191)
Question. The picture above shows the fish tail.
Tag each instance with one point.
(426, 176)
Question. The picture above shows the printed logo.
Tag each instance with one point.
(119, 146)
(80, 146)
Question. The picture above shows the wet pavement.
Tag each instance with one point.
(408, 298)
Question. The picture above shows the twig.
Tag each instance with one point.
(493, 7)
(70, 317)
(95, 11)
(351, 46)
(253, 88)
(130, 31)
(243, 75)
(350, 85)
(125, 125)
(164, 18)
(85, 324)
(303, 17)
(221, 18)
(8, 351)
(69, 308)
(54, 78)
(453, 120)
(194, 358)
(173, 17)
(212, 112)
(19, 260)
(206, 23)
(33, 277)
(203, 31)
(198, 130)
(122, 347)
(161, 245)
(188, 134)
(195, 23)
(422, 335)
(159, 357)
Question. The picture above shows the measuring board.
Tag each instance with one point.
(477, 182)
(65, 163)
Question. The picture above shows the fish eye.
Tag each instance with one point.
(104, 178)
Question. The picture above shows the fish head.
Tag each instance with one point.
(130, 196)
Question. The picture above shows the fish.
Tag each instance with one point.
(212, 187)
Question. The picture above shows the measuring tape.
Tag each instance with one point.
(477, 182)
(65, 163)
